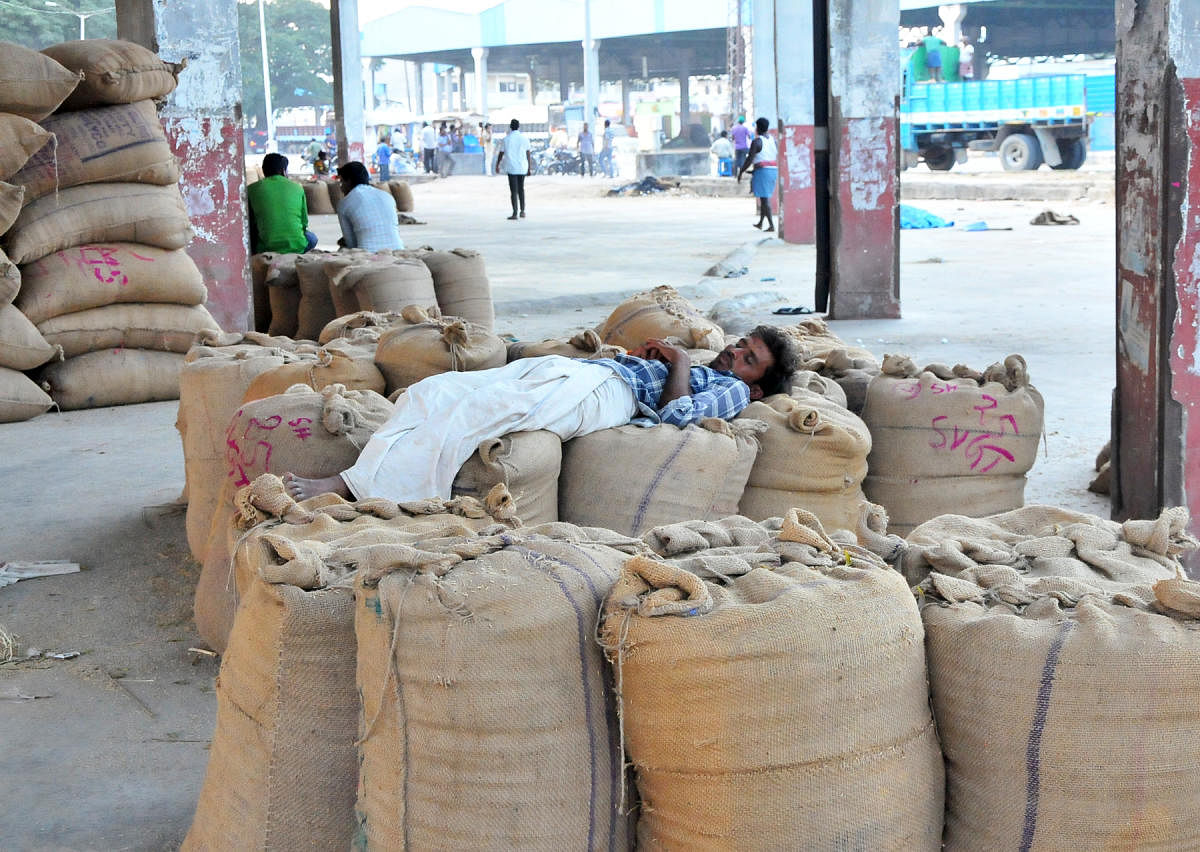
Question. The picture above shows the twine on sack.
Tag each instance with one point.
(389, 670)
(456, 338)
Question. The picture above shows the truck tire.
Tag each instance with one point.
(939, 159)
(1020, 152)
(1073, 153)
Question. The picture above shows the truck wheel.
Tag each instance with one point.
(1020, 152)
(939, 159)
(1073, 153)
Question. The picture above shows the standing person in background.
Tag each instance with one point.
(398, 140)
(321, 164)
(966, 59)
(278, 211)
(722, 149)
(445, 147)
(485, 142)
(933, 57)
(311, 151)
(606, 149)
(517, 162)
(763, 156)
(587, 152)
(367, 215)
(428, 147)
(741, 144)
(383, 159)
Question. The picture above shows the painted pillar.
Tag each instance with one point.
(626, 117)
(347, 80)
(203, 121)
(864, 89)
(685, 106)
(480, 55)
(564, 82)
(793, 101)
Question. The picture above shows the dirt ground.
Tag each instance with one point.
(107, 750)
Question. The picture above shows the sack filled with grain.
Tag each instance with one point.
(92, 276)
(11, 198)
(334, 188)
(282, 292)
(22, 346)
(100, 213)
(632, 478)
(526, 463)
(114, 72)
(362, 325)
(780, 708)
(950, 440)
(661, 313)
(20, 398)
(807, 380)
(10, 280)
(402, 193)
(586, 344)
(166, 328)
(113, 377)
(112, 144)
(316, 196)
(32, 85)
(461, 283)
(480, 672)
(351, 367)
(387, 283)
(315, 309)
(421, 346)
(20, 139)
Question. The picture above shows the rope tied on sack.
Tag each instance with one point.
(264, 499)
(339, 415)
(304, 563)
(803, 527)
(457, 337)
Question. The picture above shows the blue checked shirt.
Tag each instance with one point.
(368, 219)
(714, 393)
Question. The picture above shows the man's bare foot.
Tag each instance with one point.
(302, 489)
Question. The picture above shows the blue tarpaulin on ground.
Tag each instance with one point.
(914, 218)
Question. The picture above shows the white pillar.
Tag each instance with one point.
(418, 98)
(591, 68)
(480, 54)
(761, 98)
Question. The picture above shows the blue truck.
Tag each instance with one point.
(1026, 121)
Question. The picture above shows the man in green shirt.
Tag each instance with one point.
(278, 211)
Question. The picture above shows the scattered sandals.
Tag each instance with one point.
(792, 311)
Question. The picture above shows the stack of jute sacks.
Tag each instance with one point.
(101, 234)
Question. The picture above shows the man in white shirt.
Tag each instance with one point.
(367, 215)
(517, 162)
(428, 147)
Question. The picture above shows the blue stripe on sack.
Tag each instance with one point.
(644, 503)
(1033, 750)
(108, 151)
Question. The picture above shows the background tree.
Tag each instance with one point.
(299, 53)
(37, 24)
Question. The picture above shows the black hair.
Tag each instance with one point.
(762, 125)
(514, 124)
(607, 122)
(354, 173)
(725, 133)
(274, 164)
(778, 376)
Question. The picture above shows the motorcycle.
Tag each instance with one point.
(556, 161)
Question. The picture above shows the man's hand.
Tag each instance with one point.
(656, 349)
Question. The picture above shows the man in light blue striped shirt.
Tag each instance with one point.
(367, 215)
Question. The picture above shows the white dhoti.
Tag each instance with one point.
(441, 420)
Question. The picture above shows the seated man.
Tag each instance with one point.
(367, 215)
(439, 422)
(278, 211)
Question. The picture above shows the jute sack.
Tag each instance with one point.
(632, 478)
(283, 292)
(344, 301)
(309, 433)
(11, 198)
(586, 344)
(402, 193)
(526, 463)
(114, 72)
(113, 377)
(20, 139)
(10, 279)
(316, 196)
(166, 328)
(1068, 721)
(777, 709)
(487, 721)
(353, 369)
(22, 346)
(100, 213)
(461, 283)
(123, 143)
(20, 398)
(421, 346)
(32, 85)
(315, 309)
(260, 264)
(807, 380)
(388, 284)
(362, 324)
(661, 313)
(823, 352)
(950, 441)
(335, 193)
(92, 276)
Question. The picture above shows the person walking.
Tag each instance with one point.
(514, 156)
(383, 159)
(587, 152)
(763, 156)
(741, 144)
(606, 149)
(428, 147)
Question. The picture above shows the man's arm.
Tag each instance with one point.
(724, 398)
(253, 228)
(679, 369)
(499, 160)
(528, 162)
(755, 147)
(349, 240)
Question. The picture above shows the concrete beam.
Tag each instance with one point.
(347, 81)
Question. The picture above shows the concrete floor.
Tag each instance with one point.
(108, 750)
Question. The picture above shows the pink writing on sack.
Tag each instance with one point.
(979, 446)
(105, 265)
(249, 453)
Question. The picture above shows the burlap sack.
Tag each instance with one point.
(22, 346)
(823, 352)
(32, 85)
(335, 193)
(632, 478)
(526, 463)
(92, 276)
(20, 398)
(11, 198)
(362, 325)
(10, 280)
(355, 370)
(260, 264)
(315, 309)
(420, 346)
(777, 709)
(487, 721)
(388, 284)
(113, 377)
(282, 292)
(950, 441)
(20, 139)
(586, 344)
(114, 72)
(461, 283)
(316, 196)
(344, 301)
(661, 313)
(811, 444)
(1067, 722)
(166, 328)
(807, 380)
(100, 213)
(123, 143)
(402, 193)
(309, 433)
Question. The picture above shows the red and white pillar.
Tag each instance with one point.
(794, 92)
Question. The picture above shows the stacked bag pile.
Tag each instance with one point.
(100, 236)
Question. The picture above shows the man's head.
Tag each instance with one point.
(607, 122)
(764, 359)
(514, 124)
(741, 119)
(424, 123)
(353, 174)
(724, 134)
(761, 125)
(274, 164)
(585, 127)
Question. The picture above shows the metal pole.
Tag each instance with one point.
(262, 32)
